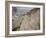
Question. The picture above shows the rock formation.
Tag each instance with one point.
(29, 21)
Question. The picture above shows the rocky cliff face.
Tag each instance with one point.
(29, 21)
